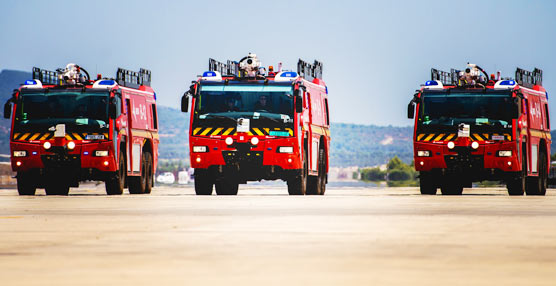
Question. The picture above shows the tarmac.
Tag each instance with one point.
(350, 236)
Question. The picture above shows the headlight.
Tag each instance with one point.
(254, 141)
(46, 145)
(451, 145)
(504, 153)
(101, 153)
(423, 153)
(71, 145)
(285, 149)
(475, 145)
(199, 149)
(229, 141)
(20, 153)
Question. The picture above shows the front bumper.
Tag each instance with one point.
(484, 159)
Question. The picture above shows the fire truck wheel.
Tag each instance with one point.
(138, 184)
(149, 172)
(516, 185)
(316, 184)
(427, 184)
(115, 184)
(451, 186)
(226, 187)
(203, 183)
(56, 187)
(297, 186)
(537, 185)
(25, 184)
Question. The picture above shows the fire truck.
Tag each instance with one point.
(472, 127)
(67, 128)
(249, 124)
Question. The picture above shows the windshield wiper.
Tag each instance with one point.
(215, 116)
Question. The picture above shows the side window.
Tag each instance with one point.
(155, 119)
(326, 110)
(547, 116)
(118, 105)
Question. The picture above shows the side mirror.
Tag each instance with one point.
(8, 109)
(298, 101)
(185, 102)
(411, 110)
(516, 111)
(112, 108)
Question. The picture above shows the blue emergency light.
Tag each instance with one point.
(431, 83)
(507, 82)
(107, 82)
(30, 82)
(289, 74)
(209, 74)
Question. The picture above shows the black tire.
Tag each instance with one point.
(451, 186)
(149, 174)
(517, 184)
(56, 186)
(537, 185)
(138, 184)
(116, 183)
(26, 184)
(297, 186)
(226, 187)
(316, 184)
(203, 183)
(427, 184)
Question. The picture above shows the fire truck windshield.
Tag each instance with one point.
(70, 107)
(258, 102)
(471, 108)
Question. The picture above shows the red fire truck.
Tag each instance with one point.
(471, 127)
(68, 128)
(250, 124)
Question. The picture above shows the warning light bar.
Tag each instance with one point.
(309, 71)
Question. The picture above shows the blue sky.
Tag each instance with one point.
(375, 54)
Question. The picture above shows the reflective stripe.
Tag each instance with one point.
(439, 137)
(228, 131)
(216, 131)
(206, 131)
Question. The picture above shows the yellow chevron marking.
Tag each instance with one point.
(249, 133)
(509, 137)
(449, 137)
(267, 130)
(105, 135)
(206, 131)
(228, 131)
(34, 136)
(196, 130)
(16, 135)
(420, 136)
(439, 137)
(24, 136)
(429, 137)
(291, 131)
(216, 131)
(68, 137)
(258, 131)
(76, 136)
(485, 135)
(44, 136)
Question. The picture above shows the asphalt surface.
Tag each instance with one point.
(350, 236)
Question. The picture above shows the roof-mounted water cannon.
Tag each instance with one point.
(472, 75)
(72, 74)
(250, 65)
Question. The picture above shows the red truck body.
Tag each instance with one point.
(289, 140)
(65, 131)
(497, 129)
